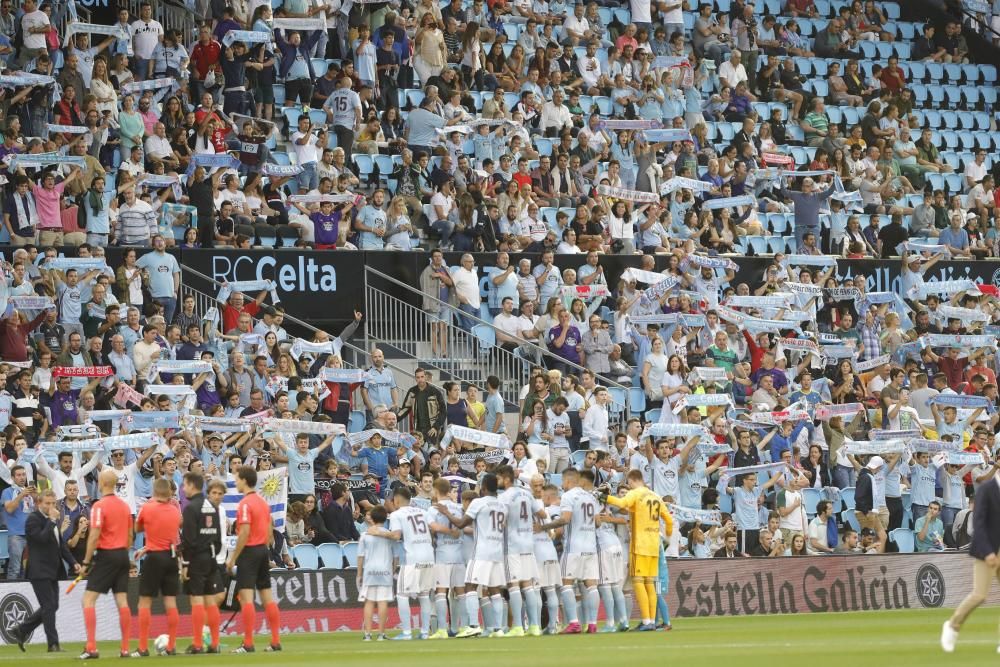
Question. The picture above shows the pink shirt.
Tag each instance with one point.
(47, 205)
(149, 120)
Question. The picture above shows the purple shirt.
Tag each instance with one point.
(568, 349)
(63, 407)
(326, 228)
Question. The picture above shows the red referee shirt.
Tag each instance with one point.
(112, 515)
(255, 511)
(162, 523)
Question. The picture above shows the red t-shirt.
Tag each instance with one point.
(255, 511)
(162, 523)
(112, 515)
(230, 316)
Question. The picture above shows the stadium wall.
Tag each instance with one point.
(326, 600)
(337, 278)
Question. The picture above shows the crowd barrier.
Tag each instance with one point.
(326, 600)
(334, 280)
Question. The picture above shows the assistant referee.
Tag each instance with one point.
(106, 563)
(251, 561)
(201, 542)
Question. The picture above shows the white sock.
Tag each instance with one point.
(593, 600)
(425, 613)
(498, 615)
(516, 605)
(621, 608)
(441, 607)
(552, 602)
(472, 608)
(569, 604)
(405, 621)
(533, 601)
(608, 601)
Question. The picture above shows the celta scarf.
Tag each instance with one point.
(729, 202)
(248, 286)
(826, 412)
(907, 434)
(662, 430)
(862, 366)
(962, 401)
(387, 436)
(138, 421)
(65, 129)
(779, 417)
(247, 37)
(484, 438)
(934, 446)
(873, 447)
(585, 292)
(296, 426)
(667, 135)
(712, 262)
(300, 347)
(703, 400)
(74, 27)
(964, 342)
(181, 366)
(768, 468)
(627, 195)
(280, 170)
(682, 183)
(965, 315)
(343, 375)
(130, 441)
(948, 286)
(621, 124)
(690, 515)
(83, 371)
(810, 260)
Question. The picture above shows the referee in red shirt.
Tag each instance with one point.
(250, 559)
(160, 519)
(106, 562)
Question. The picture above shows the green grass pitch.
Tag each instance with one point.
(904, 638)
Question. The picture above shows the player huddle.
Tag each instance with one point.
(458, 558)
(180, 547)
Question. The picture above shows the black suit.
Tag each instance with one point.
(986, 521)
(46, 553)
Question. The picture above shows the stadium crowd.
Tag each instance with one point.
(864, 420)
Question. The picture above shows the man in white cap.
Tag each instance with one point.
(865, 507)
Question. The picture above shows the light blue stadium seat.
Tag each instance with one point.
(918, 72)
(351, 554)
(971, 73)
(935, 71)
(966, 120)
(950, 119)
(636, 401)
(989, 73)
(331, 555)
(306, 556)
(365, 164)
(654, 415)
(904, 539)
(884, 50)
(954, 95)
(867, 49)
(906, 31)
(356, 422)
(281, 158)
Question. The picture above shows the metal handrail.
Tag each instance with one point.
(546, 354)
(210, 300)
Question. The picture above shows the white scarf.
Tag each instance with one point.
(31, 215)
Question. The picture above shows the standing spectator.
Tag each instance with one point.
(164, 276)
(137, 223)
(146, 35)
(466, 280)
(47, 198)
(17, 502)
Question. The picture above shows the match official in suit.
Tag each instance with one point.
(46, 553)
(984, 548)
